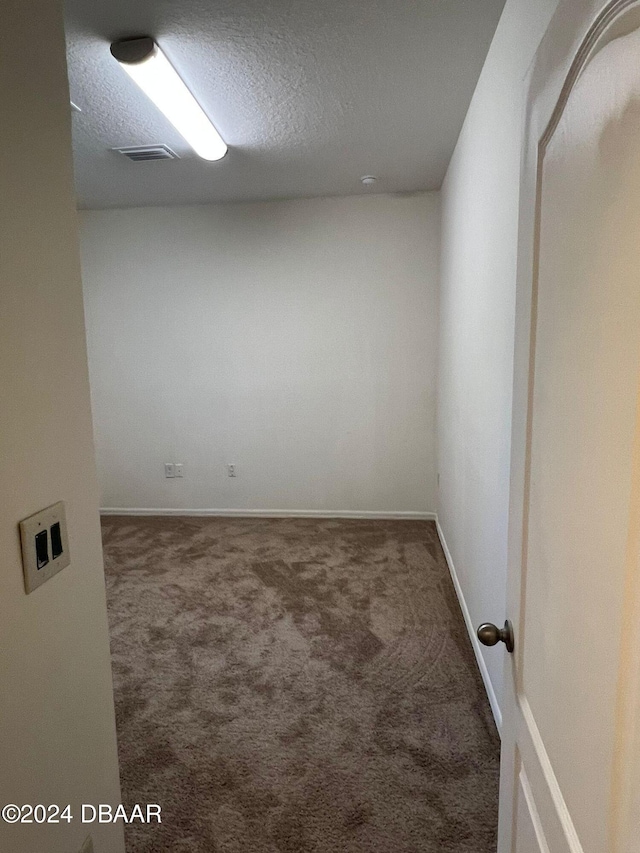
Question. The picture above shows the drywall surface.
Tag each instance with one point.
(58, 743)
(309, 96)
(295, 340)
(477, 313)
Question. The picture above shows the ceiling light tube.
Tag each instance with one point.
(147, 65)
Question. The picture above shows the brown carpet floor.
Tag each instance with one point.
(296, 686)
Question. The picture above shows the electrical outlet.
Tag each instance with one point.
(231, 470)
(87, 847)
(178, 469)
(169, 469)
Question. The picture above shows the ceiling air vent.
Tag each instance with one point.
(139, 153)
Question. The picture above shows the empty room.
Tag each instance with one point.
(320, 362)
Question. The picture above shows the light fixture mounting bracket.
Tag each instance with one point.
(134, 50)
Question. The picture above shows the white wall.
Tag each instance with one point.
(477, 313)
(57, 742)
(296, 340)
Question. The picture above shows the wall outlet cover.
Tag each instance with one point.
(45, 545)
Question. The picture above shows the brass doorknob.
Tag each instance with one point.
(489, 634)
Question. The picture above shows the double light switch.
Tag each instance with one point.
(45, 546)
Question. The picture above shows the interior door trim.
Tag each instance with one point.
(524, 791)
(587, 50)
(539, 770)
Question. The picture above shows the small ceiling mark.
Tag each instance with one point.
(368, 180)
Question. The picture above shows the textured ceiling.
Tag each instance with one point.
(309, 95)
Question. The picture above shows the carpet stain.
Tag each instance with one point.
(296, 686)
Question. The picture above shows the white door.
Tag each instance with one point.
(571, 757)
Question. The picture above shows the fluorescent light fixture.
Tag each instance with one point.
(147, 65)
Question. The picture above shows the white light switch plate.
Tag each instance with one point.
(42, 528)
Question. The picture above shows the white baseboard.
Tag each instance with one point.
(270, 513)
(484, 672)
